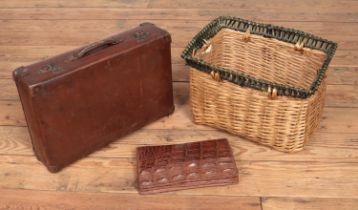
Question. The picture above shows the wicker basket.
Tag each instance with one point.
(262, 82)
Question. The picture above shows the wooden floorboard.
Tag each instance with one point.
(257, 177)
(28, 200)
(79, 32)
(74, 4)
(310, 203)
(322, 177)
(251, 11)
(323, 147)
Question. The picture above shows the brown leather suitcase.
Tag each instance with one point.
(82, 100)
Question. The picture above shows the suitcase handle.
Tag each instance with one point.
(95, 46)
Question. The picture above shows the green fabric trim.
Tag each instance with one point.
(266, 30)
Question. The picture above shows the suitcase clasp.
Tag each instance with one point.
(140, 35)
(52, 67)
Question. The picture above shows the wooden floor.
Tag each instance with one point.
(323, 176)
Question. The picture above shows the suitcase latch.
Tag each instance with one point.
(53, 68)
(140, 35)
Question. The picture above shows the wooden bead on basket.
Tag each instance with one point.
(215, 76)
(272, 93)
(299, 47)
(246, 36)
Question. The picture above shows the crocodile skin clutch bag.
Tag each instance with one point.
(183, 166)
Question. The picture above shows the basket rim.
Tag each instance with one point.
(287, 35)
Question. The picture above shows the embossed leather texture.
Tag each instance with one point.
(183, 166)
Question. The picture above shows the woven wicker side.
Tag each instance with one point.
(263, 58)
(249, 113)
(315, 109)
(284, 123)
(262, 82)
